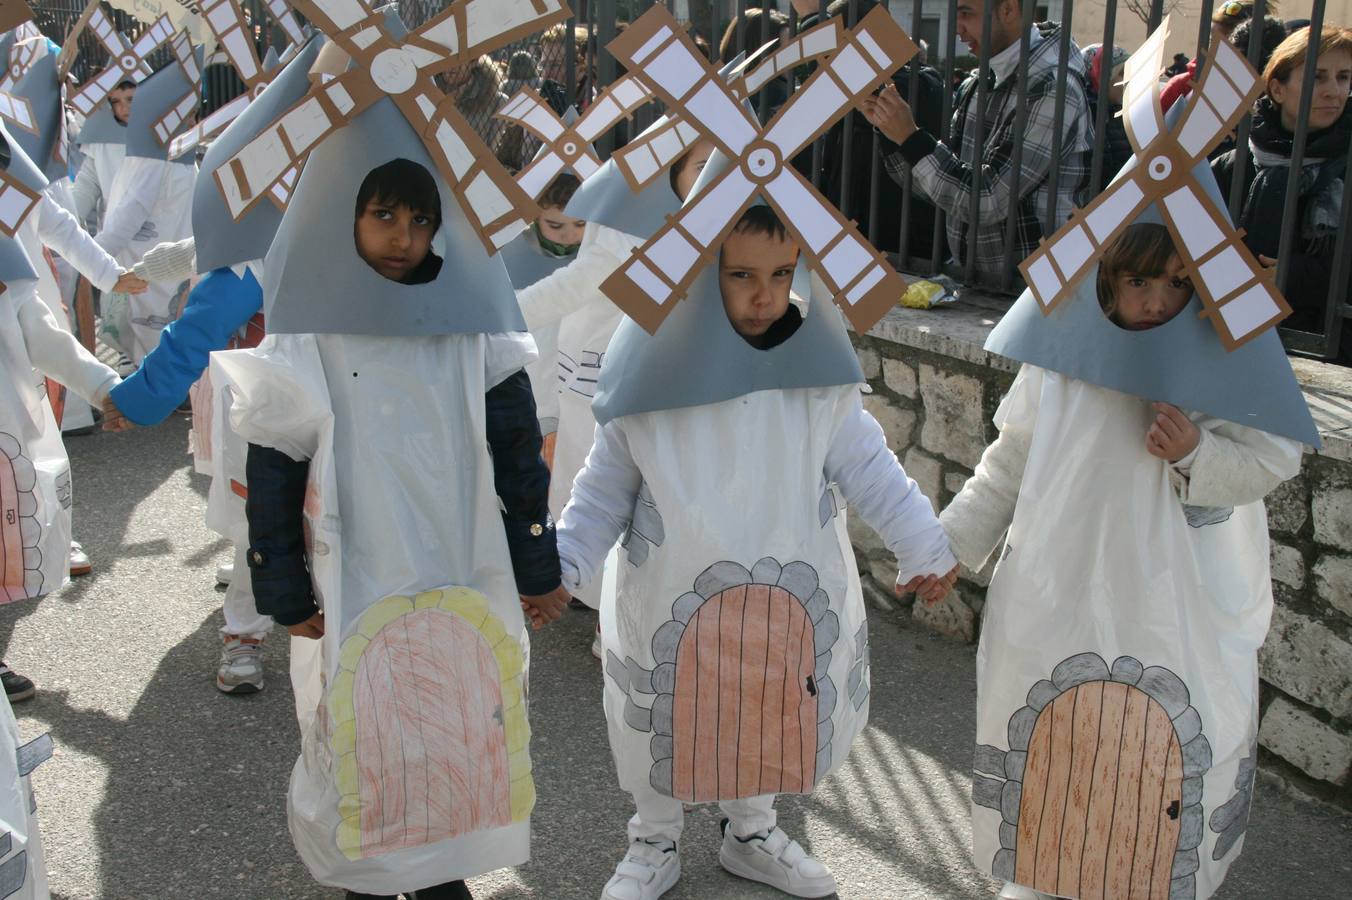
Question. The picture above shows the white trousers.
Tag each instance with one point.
(663, 818)
(241, 616)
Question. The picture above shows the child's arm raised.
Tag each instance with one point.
(983, 510)
(1231, 465)
(878, 489)
(601, 506)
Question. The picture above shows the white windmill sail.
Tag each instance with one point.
(128, 62)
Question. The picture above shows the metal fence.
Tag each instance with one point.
(847, 162)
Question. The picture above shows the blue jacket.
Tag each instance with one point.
(217, 308)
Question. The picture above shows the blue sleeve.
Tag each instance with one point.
(218, 306)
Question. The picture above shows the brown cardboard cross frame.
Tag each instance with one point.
(650, 155)
(185, 57)
(26, 47)
(568, 144)
(1237, 293)
(128, 62)
(859, 277)
(402, 69)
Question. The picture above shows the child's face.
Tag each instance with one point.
(560, 229)
(692, 164)
(120, 100)
(393, 240)
(1148, 301)
(755, 272)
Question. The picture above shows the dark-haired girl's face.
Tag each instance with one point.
(393, 239)
(1148, 301)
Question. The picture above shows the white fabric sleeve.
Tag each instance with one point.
(62, 232)
(144, 181)
(569, 289)
(601, 507)
(1235, 465)
(173, 262)
(86, 190)
(279, 396)
(879, 490)
(54, 351)
(506, 353)
(982, 511)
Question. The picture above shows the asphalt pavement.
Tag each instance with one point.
(163, 788)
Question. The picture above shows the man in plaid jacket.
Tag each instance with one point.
(945, 172)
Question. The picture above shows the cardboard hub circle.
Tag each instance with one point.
(393, 71)
(1160, 167)
(570, 149)
(762, 161)
(127, 62)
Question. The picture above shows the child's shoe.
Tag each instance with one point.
(241, 669)
(79, 561)
(451, 890)
(225, 573)
(773, 858)
(648, 870)
(1014, 891)
(596, 642)
(17, 687)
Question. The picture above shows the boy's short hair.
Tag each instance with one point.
(560, 191)
(401, 182)
(124, 84)
(761, 219)
(1144, 248)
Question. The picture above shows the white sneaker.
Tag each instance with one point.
(79, 560)
(648, 871)
(773, 858)
(225, 573)
(596, 642)
(1014, 891)
(241, 669)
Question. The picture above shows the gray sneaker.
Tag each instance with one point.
(241, 670)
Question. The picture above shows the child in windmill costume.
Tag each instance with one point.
(35, 500)
(150, 202)
(1123, 620)
(378, 518)
(224, 311)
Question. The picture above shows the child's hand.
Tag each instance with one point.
(312, 627)
(1172, 436)
(113, 420)
(130, 284)
(545, 608)
(930, 588)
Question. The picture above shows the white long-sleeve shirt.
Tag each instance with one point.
(859, 461)
(572, 287)
(54, 351)
(60, 231)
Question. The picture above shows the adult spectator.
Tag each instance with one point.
(858, 186)
(479, 95)
(560, 47)
(1224, 19)
(1271, 32)
(522, 72)
(949, 173)
(1179, 65)
(1319, 207)
(757, 29)
(1107, 88)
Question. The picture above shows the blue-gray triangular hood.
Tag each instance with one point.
(39, 86)
(14, 262)
(154, 97)
(607, 199)
(314, 281)
(1182, 362)
(527, 263)
(221, 241)
(102, 127)
(20, 166)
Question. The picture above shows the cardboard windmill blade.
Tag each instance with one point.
(27, 46)
(14, 13)
(655, 48)
(567, 145)
(221, 239)
(648, 156)
(189, 61)
(696, 358)
(128, 63)
(286, 18)
(1186, 361)
(21, 184)
(41, 88)
(1238, 295)
(160, 99)
(225, 19)
(388, 62)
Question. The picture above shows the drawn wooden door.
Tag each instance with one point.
(431, 746)
(56, 396)
(745, 704)
(17, 506)
(1102, 793)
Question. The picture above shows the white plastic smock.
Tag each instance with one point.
(1117, 702)
(23, 867)
(35, 483)
(776, 604)
(414, 766)
(149, 203)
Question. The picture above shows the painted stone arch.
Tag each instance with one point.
(20, 530)
(1231, 819)
(1100, 792)
(646, 529)
(742, 701)
(429, 724)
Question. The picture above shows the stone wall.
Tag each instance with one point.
(935, 391)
